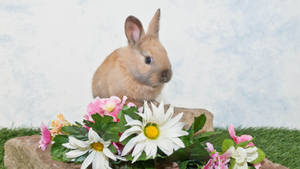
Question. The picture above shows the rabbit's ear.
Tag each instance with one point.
(133, 29)
(154, 25)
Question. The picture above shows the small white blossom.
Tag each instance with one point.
(242, 156)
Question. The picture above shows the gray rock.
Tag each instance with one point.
(267, 164)
(23, 153)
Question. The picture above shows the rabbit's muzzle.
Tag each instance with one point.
(165, 76)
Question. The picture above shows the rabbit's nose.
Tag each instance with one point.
(165, 76)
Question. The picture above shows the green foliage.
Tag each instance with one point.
(244, 144)
(260, 158)
(190, 164)
(199, 123)
(227, 143)
(195, 151)
(105, 127)
(232, 163)
(58, 152)
(76, 131)
(131, 112)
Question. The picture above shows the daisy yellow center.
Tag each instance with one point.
(97, 146)
(151, 131)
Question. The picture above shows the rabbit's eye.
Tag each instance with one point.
(148, 60)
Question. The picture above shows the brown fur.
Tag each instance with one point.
(125, 73)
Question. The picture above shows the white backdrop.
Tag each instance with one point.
(238, 59)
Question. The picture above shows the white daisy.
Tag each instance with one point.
(99, 153)
(157, 129)
(242, 156)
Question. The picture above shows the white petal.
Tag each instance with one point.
(99, 161)
(173, 133)
(78, 143)
(169, 113)
(132, 142)
(89, 159)
(174, 120)
(150, 150)
(105, 143)
(75, 153)
(140, 137)
(166, 146)
(147, 112)
(241, 165)
(69, 146)
(252, 154)
(251, 149)
(154, 151)
(121, 158)
(128, 146)
(109, 154)
(138, 148)
(161, 111)
(157, 114)
(131, 122)
(178, 142)
(136, 157)
(93, 136)
(128, 132)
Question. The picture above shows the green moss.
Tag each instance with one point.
(280, 145)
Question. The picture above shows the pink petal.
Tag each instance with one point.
(130, 104)
(244, 138)
(232, 133)
(209, 164)
(210, 147)
(257, 166)
(250, 144)
(45, 138)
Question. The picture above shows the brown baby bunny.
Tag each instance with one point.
(139, 70)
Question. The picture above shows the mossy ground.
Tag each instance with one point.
(281, 145)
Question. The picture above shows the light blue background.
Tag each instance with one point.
(238, 59)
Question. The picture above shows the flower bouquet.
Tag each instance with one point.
(115, 135)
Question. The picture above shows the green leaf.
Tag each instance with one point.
(199, 122)
(105, 119)
(198, 152)
(80, 159)
(58, 152)
(205, 136)
(195, 151)
(260, 158)
(189, 164)
(88, 123)
(232, 163)
(111, 132)
(184, 164)
(112, 149)
(244, 144)
(227, 143)
(131, 112)
(76, 131)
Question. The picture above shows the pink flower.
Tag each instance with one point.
(105, 106)
(130, 104)
(257, 166)
(239, 139)
(217, 161)
(45, 138)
